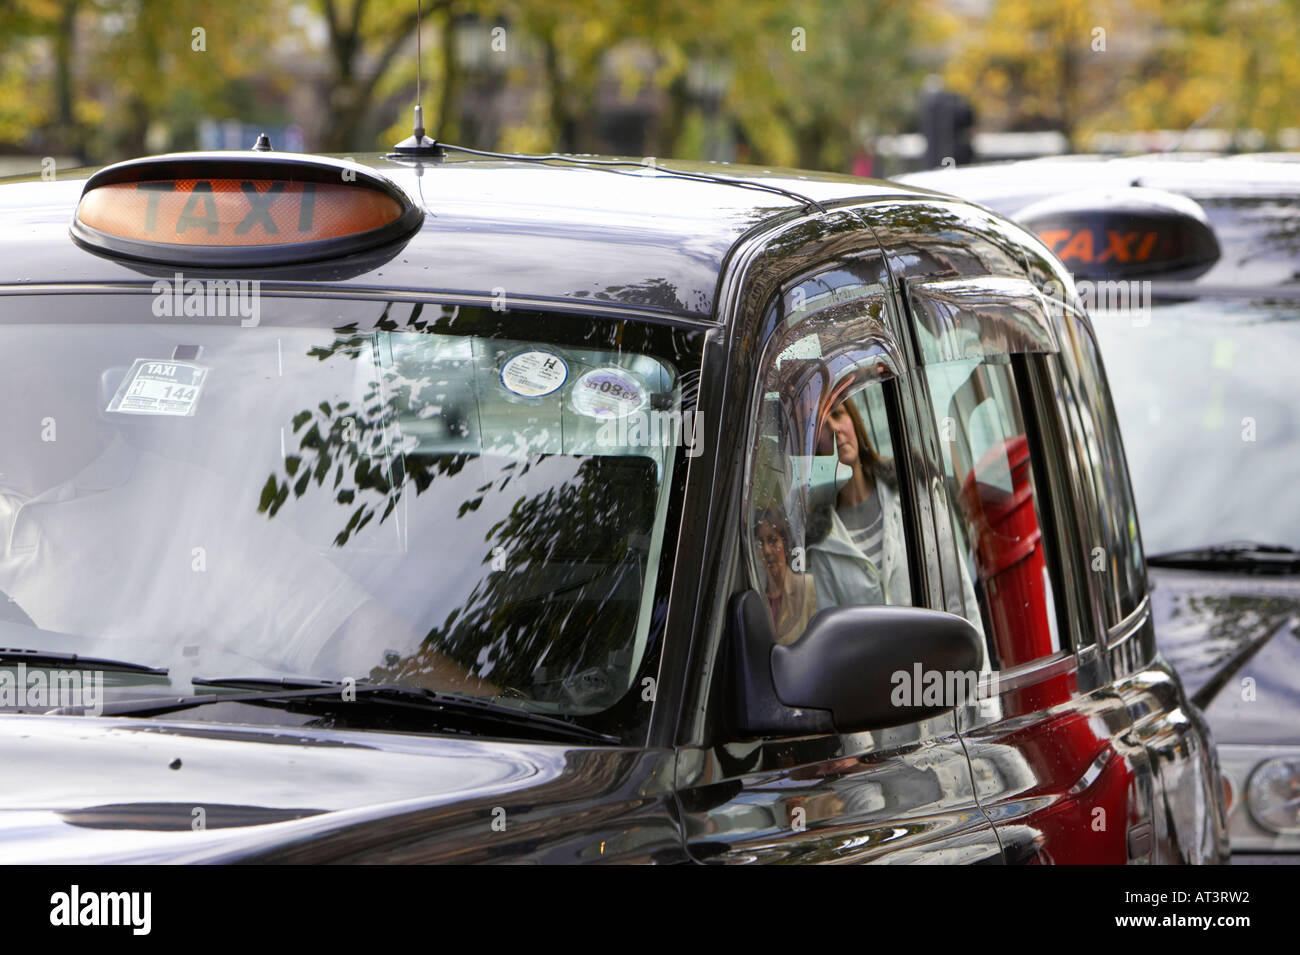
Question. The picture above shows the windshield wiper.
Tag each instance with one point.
(1245, 557)
(75, 661)
(328, 695)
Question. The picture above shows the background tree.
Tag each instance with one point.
(799, 85)
(26, 105)
(66, 66)
(1060, 64)
(808, 98)
(1233, 64)
(771, 81)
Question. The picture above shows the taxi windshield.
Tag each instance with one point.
(1205, 395)
(461, 500)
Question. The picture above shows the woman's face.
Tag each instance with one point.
(838, 427)
(771, 551)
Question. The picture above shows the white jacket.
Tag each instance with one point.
(843, 575)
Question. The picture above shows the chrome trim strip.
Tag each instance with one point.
(1030, 673)
(1130, 625)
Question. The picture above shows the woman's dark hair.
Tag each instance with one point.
(873, 465)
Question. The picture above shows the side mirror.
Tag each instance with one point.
(843, 673)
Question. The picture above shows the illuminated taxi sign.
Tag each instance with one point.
(231, 209)
(1126, 233)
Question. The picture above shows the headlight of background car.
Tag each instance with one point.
(1273, 794)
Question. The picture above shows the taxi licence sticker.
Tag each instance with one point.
(154, 387)
(534, 374)
(608, 393)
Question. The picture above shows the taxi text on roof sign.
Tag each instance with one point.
(1130, 232)
(1119, 247)
(229, 209)
(235, 211)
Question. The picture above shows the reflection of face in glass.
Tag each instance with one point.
(838, 436)
(771, 551)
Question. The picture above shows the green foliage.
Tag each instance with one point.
(802, 97)
(1041, 64)
(1237, 58)
(126, 76)
(95, 75)
(771, 81)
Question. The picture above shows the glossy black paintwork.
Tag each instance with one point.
(594, 241)
(1049, 771)
(308, 795)
(741, 800)
(558, 233)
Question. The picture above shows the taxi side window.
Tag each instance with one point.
(977, 338)
(994, 500)
(825, 522)
(1115, 559)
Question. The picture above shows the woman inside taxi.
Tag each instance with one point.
(857, 555)
(791, 596)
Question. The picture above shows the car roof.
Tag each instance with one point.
(558, 232)
(1250, 200)
(1009, 186)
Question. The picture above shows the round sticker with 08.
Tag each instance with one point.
(608, 393)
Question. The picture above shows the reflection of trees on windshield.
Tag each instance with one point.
(561, 597)
(351, 448)
(560, 573)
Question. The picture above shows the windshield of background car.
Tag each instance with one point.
(463, 500)
(1205, 392)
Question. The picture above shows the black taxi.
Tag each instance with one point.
(458, 507)
(1190, 265)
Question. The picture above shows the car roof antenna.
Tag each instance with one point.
(418, 145)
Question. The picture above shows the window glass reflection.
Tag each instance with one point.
(473, 513)
(994, 503)
(825, 520)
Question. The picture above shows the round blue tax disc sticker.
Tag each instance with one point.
(608, 393)
(534, 374)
